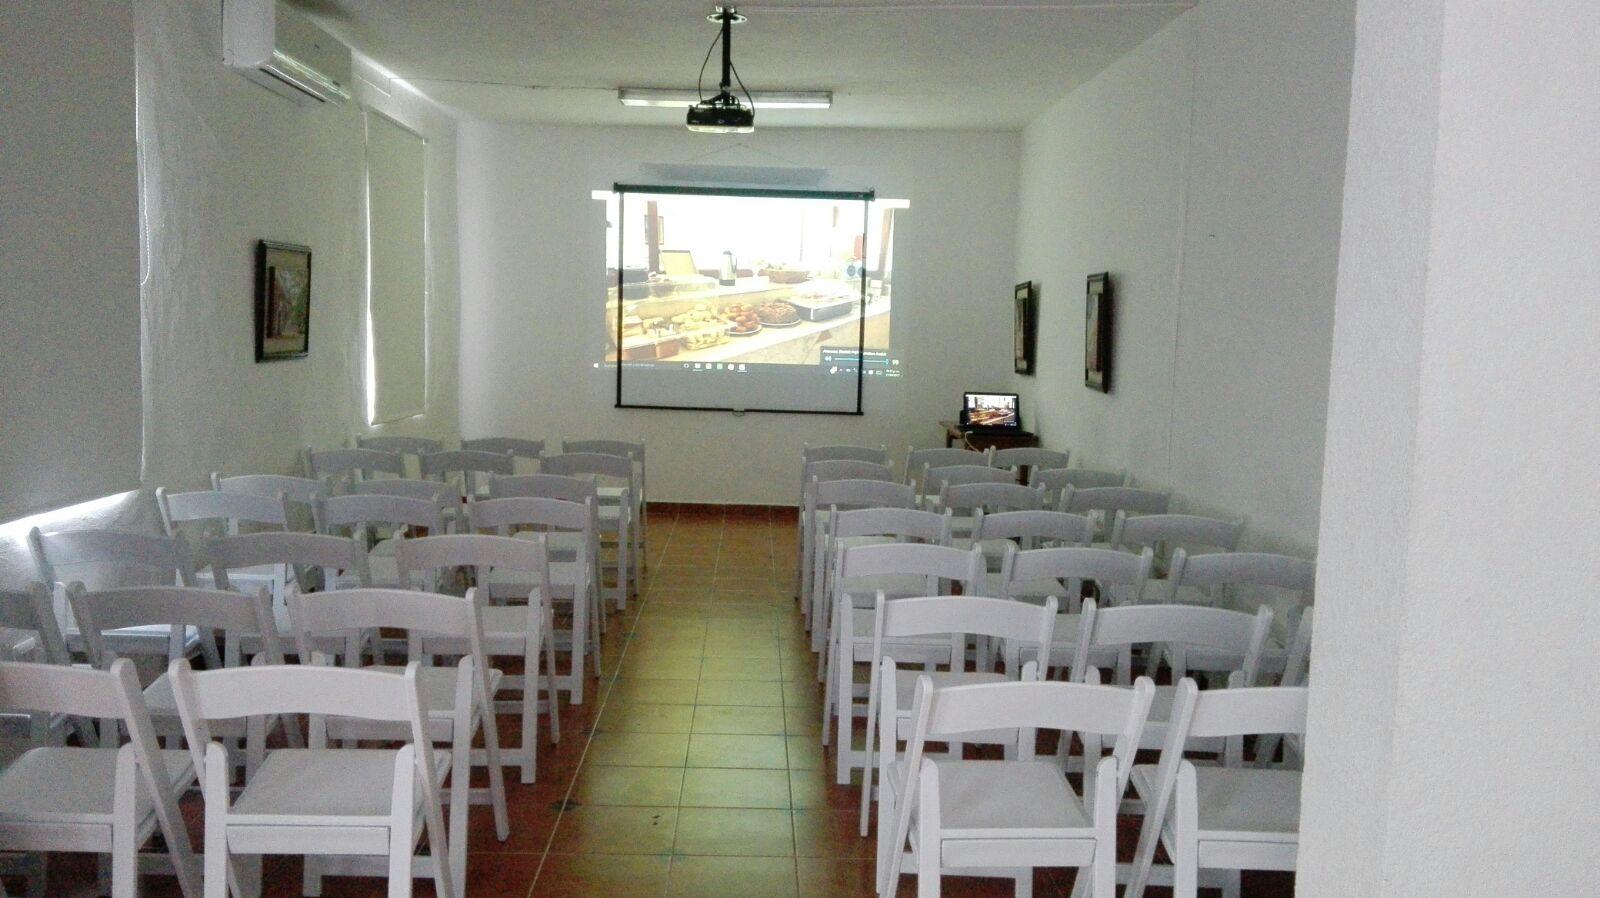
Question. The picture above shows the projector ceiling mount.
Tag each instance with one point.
(724, 113)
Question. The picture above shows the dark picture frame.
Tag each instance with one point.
(1027, 326)
(283, 301)
(1097, 329)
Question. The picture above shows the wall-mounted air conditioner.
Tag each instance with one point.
(281, 49)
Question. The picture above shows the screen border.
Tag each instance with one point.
(865, 197)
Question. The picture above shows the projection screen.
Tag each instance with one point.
(747, 299)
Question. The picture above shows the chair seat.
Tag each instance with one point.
(1240, 804)
(56, 784)
(1003, 799)
(325, 782)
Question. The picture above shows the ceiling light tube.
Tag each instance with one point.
(765, 99)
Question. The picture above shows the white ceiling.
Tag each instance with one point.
(890, 63)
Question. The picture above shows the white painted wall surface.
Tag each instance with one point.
(1202, 171)
(533, 282)
(227, 163)
(69, 255)
(1453, 713)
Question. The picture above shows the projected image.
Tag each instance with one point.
(744, 283)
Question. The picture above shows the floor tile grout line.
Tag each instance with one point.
(577, 770)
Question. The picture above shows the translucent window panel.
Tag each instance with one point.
(397, 272)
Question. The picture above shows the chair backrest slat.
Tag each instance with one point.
(575, 464)
(1243, 568)
(1030, 457)
(809, 454)
(846, 469)
(60, 689)
(1040, 704)
(1170, 532)
(516, 447)
(157, 558)
(319, 550)
(352, 465)
(920, 460)
(1071, 529)
(527, 511)
(970, 616)
(1111, 499)
(1056, 479)
(292, 489)
(994, 496)
(859, 494)
(934, 479)
(230, 509)
(896, 522)
(291, 689)
(1103, 566)
(543, 486)
(963, 566)
(634, 452)
(367, 510)
(441, 494)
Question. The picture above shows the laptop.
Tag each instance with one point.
(990, 413)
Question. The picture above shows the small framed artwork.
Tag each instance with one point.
(1027, 336)
(1097, 312)
(283, 301)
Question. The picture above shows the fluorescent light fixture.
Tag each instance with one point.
(763, 99)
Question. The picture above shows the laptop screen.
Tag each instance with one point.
(991, 410)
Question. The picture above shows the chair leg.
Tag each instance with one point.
(530, 716)
(460, 799)
(1023, 887)
(927, 865)
(1230, 884)
(401, 838)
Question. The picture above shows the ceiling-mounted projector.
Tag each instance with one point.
(724, 113)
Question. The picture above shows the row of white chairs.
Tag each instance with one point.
(455, 705)
(942, 815)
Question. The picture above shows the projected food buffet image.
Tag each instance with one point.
(747, 280)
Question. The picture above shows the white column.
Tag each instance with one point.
(1455, 713)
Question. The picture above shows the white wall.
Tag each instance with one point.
(1453, 712)
(227, 163)
(69, 255)
(1203, 171)
(532, 288)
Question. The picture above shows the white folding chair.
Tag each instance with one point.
(1176, 627)
(931, 483)
(560, 545)
(322, 559)
(920, 460)
(469, 465)
(406, 447)
(822, 500)
(960, 618)
(367, 518)
(617, 486)
(897, 570)
(298, 492)
(1031, 457)
(103, 558)
(458, 700)
(826, 471)
(572, 582)
(1244, 580)
(1007, 817)
(867, 524)
(516, 447)
(1054, 480)
(205, 514)
(508, 630)
(1032, 575)
(320, 802)
(344, 467)
(1230, 817)
(238, 616)
(1104, 503)
(633, 452)
(810, 453)
(102, 800)
(997, 534)
(966, 501)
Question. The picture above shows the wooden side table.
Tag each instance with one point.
(953, 434)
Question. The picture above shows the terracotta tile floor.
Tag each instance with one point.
(694, 769)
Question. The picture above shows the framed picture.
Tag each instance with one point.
(1027, 338)
(283, 301)
(1097, 334)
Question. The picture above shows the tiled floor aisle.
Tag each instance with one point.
(694, 767)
